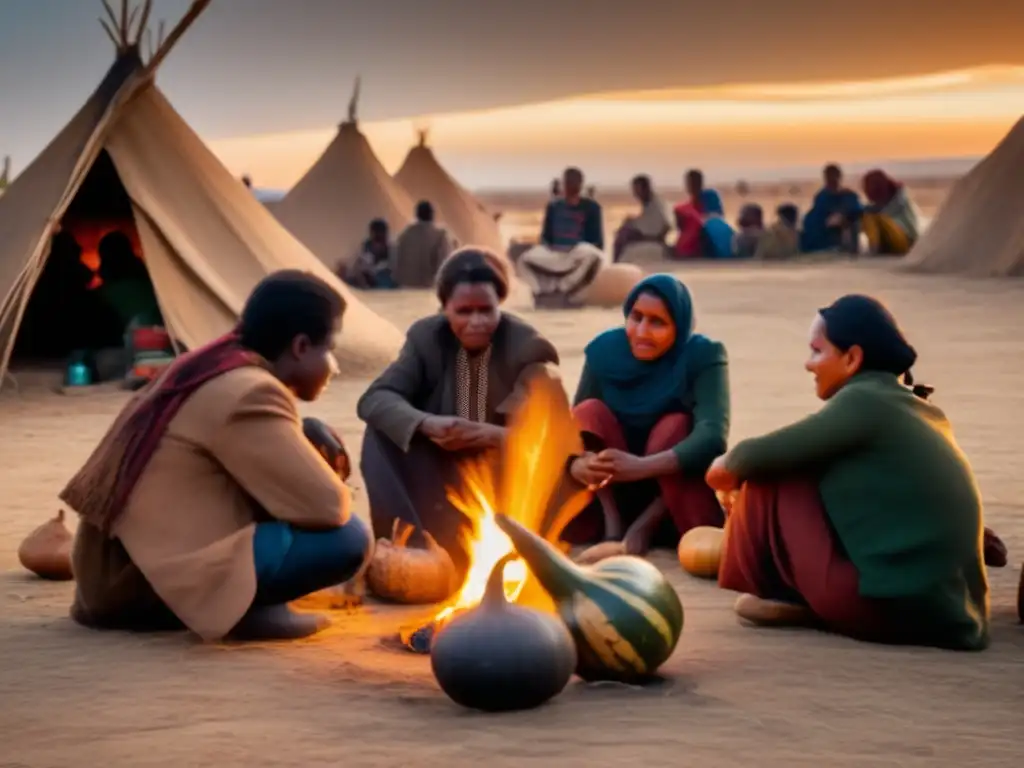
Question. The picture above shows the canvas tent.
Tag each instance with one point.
(424, 178)
(979, 230)
(330, 208)
(205, 239)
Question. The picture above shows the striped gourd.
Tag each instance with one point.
(623, 614)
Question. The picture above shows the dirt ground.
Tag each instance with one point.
(733, 695)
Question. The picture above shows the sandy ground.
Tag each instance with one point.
(733, 695)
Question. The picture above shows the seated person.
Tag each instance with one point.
(127, 287)
(751, 229)
(650, 226)
(205, 506)
(864, 518)
(782, 239)
(569, 253)
(653, 407)
(889, 219)
(833, 223)
(420, 250)
(446, 396)
(691, 215)
(372, 266)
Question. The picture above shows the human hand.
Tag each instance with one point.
(584, 472)
(727, 499)
(329, 445)
(623, 467)
(441, 430)
(474, 435)
(720, 478)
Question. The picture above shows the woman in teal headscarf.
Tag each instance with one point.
(653, 407)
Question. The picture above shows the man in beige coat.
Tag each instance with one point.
(420, 250)
(206, 505)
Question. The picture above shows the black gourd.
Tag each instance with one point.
(499, 656)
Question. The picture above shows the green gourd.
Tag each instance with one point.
(624, 616)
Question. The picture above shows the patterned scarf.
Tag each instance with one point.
(470, 402)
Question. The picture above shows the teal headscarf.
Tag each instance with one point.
(640, 392)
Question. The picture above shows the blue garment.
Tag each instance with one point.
(291, 563)
(817, 235)
(712, 203)
(718, 238)
(566, 225)
(640, 392)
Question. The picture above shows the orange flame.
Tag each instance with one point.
(542, 434)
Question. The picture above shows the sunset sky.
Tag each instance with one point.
(504, 86)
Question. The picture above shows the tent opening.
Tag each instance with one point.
(95, 286)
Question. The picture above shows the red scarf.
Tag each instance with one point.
(101, 488)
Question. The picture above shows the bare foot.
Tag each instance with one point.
(278, 622)
(599, 552)
(772, 613)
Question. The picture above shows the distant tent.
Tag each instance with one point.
(332, 205)
(457, 209)
(979, 230)
(205, 239)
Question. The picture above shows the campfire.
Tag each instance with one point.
(542, 435)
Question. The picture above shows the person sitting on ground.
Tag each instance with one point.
(561, 266)
(864, 518)
(420, 250)
(447, 396)
(126, 286)
(750, 227)
(782, 239)
(890, 219)
(691, 215)
(372, 266)
(833, 223)
(653, 407)
(205, 506)
(650, 226)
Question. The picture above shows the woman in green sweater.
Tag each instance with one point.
(653, 407)
(865, 517)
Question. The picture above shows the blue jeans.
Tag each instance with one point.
(292, 563)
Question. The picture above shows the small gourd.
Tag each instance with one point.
(700, 551)
(47, 550)
(412, 576)
(500, 656)
(624, 616)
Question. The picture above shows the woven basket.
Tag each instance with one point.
(402, 574)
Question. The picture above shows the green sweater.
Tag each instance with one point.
(901, 497)
(705, 396)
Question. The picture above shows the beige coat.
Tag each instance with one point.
(419, 251)
(233, 455)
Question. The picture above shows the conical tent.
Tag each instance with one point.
(457, 209)
(980, 228)
(330, 208)
(206, 240)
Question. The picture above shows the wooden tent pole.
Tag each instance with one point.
(198, 6)
(118, 43)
